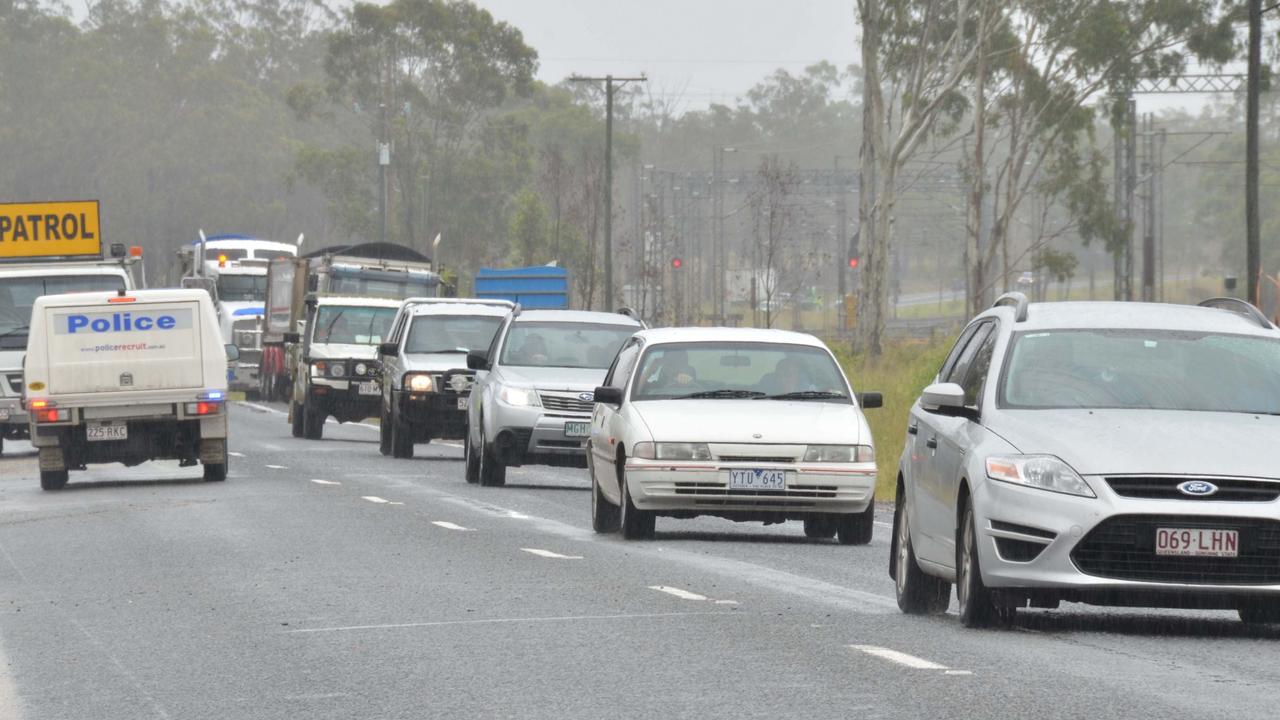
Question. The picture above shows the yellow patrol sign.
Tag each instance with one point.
(49, 229)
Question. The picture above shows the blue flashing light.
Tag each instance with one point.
(213, 395)
(247, 311)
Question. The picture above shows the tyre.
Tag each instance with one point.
(918, 593)
(384, 433)
(978, 607)
(312, 422)
(1259, 612)
(492, 473)
(296, 414)
(53, 479)
(856, 529)
(215, 472)
(819, 528)
(636, 524)
(604, 514)
(401, 438)
(472, 472)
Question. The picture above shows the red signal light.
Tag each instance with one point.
(853, 263)
(677, 263)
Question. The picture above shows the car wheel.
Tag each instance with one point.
(1259, 612)
(215, 472)
(384, 432)
(401, 438)
(918, 593)
(53, 479)
(492, 472)
(472, 471)
(604, 514)
(296, 413)
(856, 529)
(312, 422)
(820, 528)
(978, 607)
(636, 524)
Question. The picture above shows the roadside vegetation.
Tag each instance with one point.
(900, 373)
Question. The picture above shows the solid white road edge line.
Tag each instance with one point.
(549, 554)
(900, 658)
(450, 526)
(682, 594)
(561, 618)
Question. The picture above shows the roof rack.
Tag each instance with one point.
(1239, 307)
(458, 301)
(1015, 300)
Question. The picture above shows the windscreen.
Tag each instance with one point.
(1143, 369)
(352, 325)
(395, 289)
(242, 288)
(271, 254)
(18, 295)
(564, 344)
(739, 369)
(451, 333)
(216, 254)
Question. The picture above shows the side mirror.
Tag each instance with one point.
(945, 399)
(606, 395)
(389, 348)
(478, 360)
(869, 400)
(293, 337)
(233, 352)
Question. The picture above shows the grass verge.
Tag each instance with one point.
(900, 373)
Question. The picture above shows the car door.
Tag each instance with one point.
(958, 435)
(392, 369)
(608, 423)
(483, 390)
(933, 526)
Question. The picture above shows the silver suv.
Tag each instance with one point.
(1106, 453)
(533, 396)
(425, 382)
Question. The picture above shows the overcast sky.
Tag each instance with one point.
(702, 50)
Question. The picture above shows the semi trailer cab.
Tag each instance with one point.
(128, 377)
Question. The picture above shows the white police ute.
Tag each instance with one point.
(128, 377)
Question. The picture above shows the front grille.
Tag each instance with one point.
(15, 383)
(1166, 488)
(716, 494)
(565, 404)
(563, 444)
(754, 459)
(250, 357)
(1123, 548)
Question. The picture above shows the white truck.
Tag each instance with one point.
(128, 377)
(235, 272)
(337, 372)
(29, 268)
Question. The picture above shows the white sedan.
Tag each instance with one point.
(749, 425)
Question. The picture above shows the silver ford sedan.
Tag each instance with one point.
(1106, 453)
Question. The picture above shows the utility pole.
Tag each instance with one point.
(1253, 248)
(842, 246)
(611, 84)
(384, 159)
(721, 275)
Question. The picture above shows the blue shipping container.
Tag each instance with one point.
(532, 287)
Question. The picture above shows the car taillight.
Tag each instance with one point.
(204, 408)
(45, 413)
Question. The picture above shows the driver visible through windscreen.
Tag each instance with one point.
(738, 370)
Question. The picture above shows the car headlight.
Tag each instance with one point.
(671, 451)
(1045, 472)
(419, 382)
(520, 397)
(337, 370)
(840, 454)
(361, 368)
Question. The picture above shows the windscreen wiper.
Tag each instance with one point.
(721, 394)
(806, 395)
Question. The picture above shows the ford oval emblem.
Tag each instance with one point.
(1197, 488)
(586, 397)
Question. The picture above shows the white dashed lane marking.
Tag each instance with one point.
(324, 482)
(682, 594)
(549, 554)
(235, 454)
(277, 467)
(905, 660)
(449, 526)
(378, 500)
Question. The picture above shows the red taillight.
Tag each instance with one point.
(51, 415)
(204, 408)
